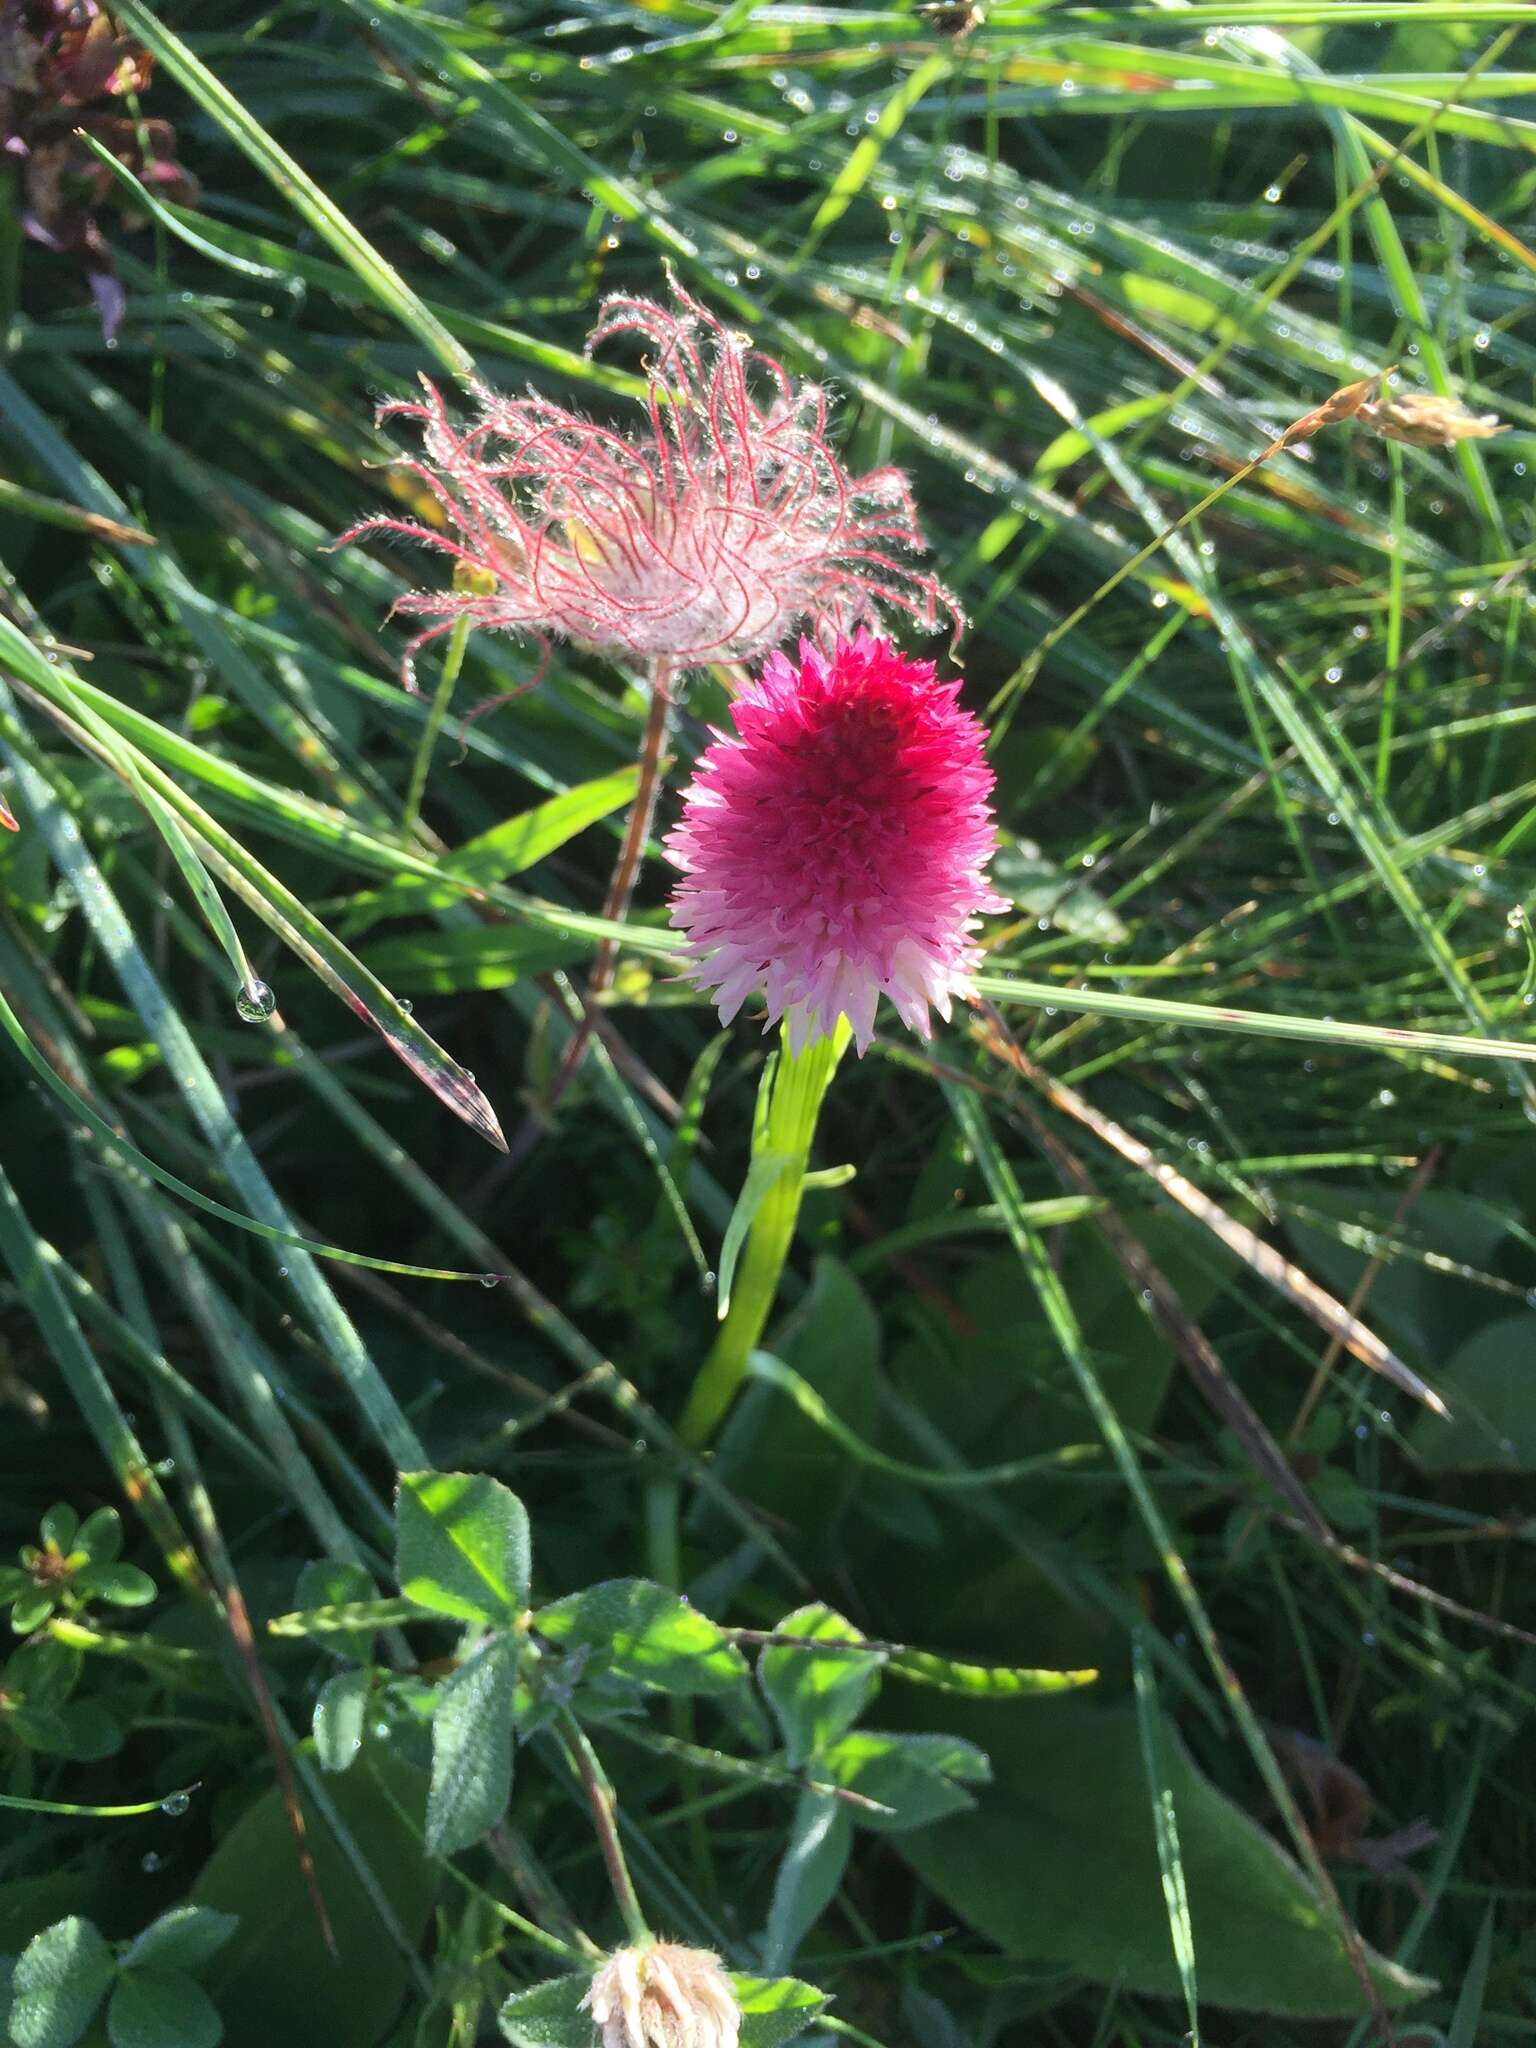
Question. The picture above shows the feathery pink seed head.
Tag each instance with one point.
(834, 847)
(724, 523)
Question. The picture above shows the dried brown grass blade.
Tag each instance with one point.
(1287, 1279)
(1184, 1333)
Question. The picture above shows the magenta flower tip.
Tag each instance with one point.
(834, 846)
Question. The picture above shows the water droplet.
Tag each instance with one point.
(255, 1002)
(490, 1279)
(406, 1005)
(151, 1863)
(176, 1804)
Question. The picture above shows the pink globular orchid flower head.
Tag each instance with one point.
(834, 846)
(710, 534)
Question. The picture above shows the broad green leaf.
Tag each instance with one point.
(462, 1545)
(60, 1978)
(780, 1458)
(340, 1714)
(472, 1748)
(809, 1873)
(275, 1980)
(549, 2015)
(184, 1939)
(1341, 1229)
(646, 1632)
(1489, 1385)
(919, 1777)
(1059, 1861)
(817, 1695)
(162, 2009)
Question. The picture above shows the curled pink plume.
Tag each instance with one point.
(723, 523)
(834, 847)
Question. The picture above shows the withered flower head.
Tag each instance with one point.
(57, 59)
(1423, 419)
(721, 521)
(664, 1996)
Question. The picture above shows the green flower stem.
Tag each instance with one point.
(604, 1809)
(798, 1089)
(453, 661)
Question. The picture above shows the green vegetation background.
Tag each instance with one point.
(1072, 267)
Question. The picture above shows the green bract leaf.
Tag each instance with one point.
(817, 1695)
(61, 1976)
(472, 1748)
(775, 2009)
(340, 1713)
(184, 1939)
(646, 1632)
(162, 2009)
(549, 2015)
(463, 1546)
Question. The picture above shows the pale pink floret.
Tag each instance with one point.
(664, 1996)
(726, 521)
(834, 847)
